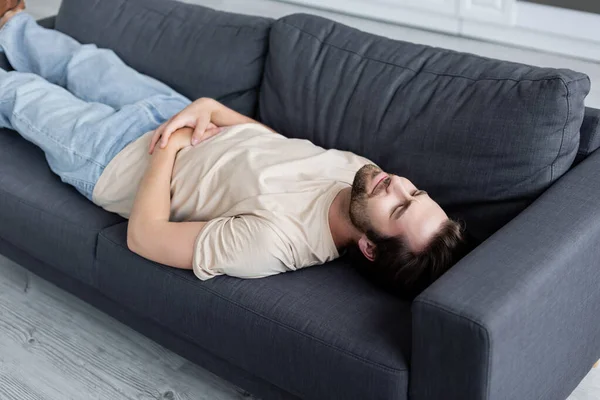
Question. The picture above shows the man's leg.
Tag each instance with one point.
(78, 138)
(92, 74)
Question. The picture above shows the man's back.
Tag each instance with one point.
(251, 184)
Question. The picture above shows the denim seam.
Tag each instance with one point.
(88, 186)
(187, 281)
(149, 112)
(45, 133)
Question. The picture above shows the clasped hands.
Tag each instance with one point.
(187, 128)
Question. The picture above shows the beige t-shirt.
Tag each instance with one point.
(266, 198)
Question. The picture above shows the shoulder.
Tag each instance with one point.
(243, 246)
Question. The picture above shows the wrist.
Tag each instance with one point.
(210, 105)
(182, 138)
(207, 103)
(172, 147)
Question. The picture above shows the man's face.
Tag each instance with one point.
(393, 206)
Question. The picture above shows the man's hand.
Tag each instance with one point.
(197, 115)
(182, 137)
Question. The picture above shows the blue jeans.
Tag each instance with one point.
(81, 105)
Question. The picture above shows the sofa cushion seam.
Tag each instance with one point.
(354, 356)
(562, 140)
(550, 78)
(149, 320)
(170, 15)
(20, 200)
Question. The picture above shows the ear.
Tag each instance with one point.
(367, 247)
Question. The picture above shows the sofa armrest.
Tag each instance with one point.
(48, 22)
(519, 316)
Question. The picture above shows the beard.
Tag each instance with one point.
(360, 197)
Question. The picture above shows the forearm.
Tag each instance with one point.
(153, 199)
(222, 115)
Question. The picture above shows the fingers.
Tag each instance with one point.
(164, 132)
(158, 133)
(210, 133)
(188, 117)
(202, 124)
(155, 138)
(176, 122)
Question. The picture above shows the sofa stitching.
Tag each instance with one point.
(45, 262)
(551, 78)
(593, 128)
(441, 307)
(94, 285)
(354, 356)
(422, 70)
(213, 11)
(62, 219)
(562, 139)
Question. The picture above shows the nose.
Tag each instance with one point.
(402, 190)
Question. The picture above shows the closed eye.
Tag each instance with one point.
(401, 205)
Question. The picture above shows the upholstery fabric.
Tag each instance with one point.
(590, 133)
(311, 331)
(44, 216)
(197, 51)
(521, 309)
(515, 319)
(246, 381)
(484, 137)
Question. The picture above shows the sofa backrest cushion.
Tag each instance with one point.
(590, 133)
(198, 51)
(484, 137)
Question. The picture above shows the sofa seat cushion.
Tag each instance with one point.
(42, 215)
(197, 51)
(326, 324)
(484, 137)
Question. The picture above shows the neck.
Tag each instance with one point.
(343, 231)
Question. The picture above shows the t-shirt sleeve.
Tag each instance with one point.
(243, 246)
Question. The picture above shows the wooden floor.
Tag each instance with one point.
(54, 346)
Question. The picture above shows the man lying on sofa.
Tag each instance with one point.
(245, 201)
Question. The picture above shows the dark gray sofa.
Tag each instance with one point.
(508, 148)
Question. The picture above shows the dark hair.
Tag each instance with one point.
(406, 273)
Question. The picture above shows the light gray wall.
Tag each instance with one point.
(42, 8)
(580, 5)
